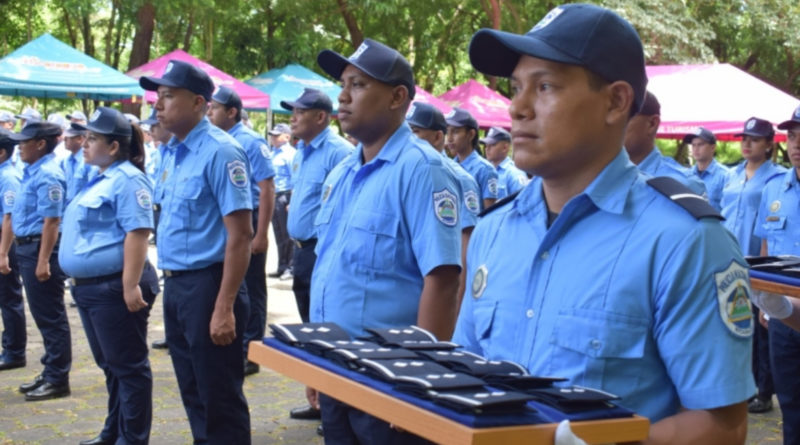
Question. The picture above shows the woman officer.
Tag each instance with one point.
(106, 229)
(35, 221)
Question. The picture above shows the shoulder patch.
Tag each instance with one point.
(265, 151)
(237, 173)
(733, 296)
(471, 201)
(444, 206)
(678, 193)
(55, 193)
(499, 203)
(143, 199)
(9, 197)
(493, 186)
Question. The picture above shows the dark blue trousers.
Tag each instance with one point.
(12, 309)
(345, 425)
(118, 340)
(256, 283)
(761, 368)
(46, 302)
(210, 377)
(285, 245)
(784, 346)
(302, 267)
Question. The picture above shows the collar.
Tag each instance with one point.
(236, 128)
(77, 154)
(31, 168)
(193, 139)
(468, 158)
(504, 164)
(791, 179)
(651, 161)
(317, 141)
(390, 151)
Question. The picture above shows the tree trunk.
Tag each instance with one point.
(356, 36)
(29, 20)
(110, 33)
(73, 39)
(209, 40)
(86, 31)
(140, 52)
(493, 11)
(187, 38)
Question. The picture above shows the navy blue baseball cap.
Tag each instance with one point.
(426, 116)
(106, 121)
(5, 139)
(179, 74)
(794, 120)
(152, 119)
(310, 99)
(228, 97)
(374, 58)
(280, 129)
(702, 133)
(460, 117)
(758, 128)
(37, 130)
(577, 34)
(495, 135)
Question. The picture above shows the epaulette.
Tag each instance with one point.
(499, 203)
(678, 193)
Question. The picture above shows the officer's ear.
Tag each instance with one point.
(620, 102)
(113, 149)
(321, 117)
(399, 98)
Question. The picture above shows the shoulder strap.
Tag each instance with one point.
(678, 193)
(499, 204)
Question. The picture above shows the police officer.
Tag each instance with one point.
(740, 199)
(621, 323)
(77, 117)
(428, 124)
(778, 224)
(388, 227)
(462, 142)
(7, 120)
(35, 221)
(713, 174)
(282, 155)
(640, 143)
(204, 238)
(76, 172)
(151, 147)
(106, 231)
(225, 112)
(12, 309)
(319, 150)
(510, 179)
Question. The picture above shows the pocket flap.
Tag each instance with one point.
(601, 334)
(377, 223)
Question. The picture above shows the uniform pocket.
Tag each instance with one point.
(374, 239)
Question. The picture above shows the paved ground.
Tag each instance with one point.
(80, 416)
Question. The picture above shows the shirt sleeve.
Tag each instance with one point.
(229, 177)
(488, 183)
(134, 203)
(9, 190)
(50, 196)
(260, 163)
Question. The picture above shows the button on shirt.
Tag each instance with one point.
(76, 173)
(484, 173)
(510, 179)
(714, 176)
(282, 163)
(740, 200)
(96, 222)
(656, 164)
(778, 219)
(9, 185)
(207, 178)
(383, 226)
(642, 317)
(257, 152)
(41, 196)
(310, 167)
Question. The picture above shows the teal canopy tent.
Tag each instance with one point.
(287, 83)
(46, 67)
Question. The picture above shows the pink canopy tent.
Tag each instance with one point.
(719, 97)
(251, 97)
(428, 98)
(487, 106)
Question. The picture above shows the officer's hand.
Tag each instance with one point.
(776, 306)
(43, 271)
(762, 318)
(222, 327)
(565, 436)
(4, 269)
(259, 244)
(133, 299)
(312, 395)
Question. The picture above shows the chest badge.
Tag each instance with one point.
(775, 206)
(327, 192)
(479, 281)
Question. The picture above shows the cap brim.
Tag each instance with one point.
(288, 105)
(750, 133)
(496, 53)
(488, 141)
(152, 83)
(19, 137)
(334, 63)
(785, 125)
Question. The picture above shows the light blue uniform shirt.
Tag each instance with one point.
(611, 296)
(468, 195)
(95, 223)
(206, 178)
(258, 154)
(510, 179)
(310, 167)
(9, 185)
(152, 161)
(165, 154)
(778, 218)
(382, 228)
(484, 173)
(282, 162)
(656, 164)
(740, 200)
(714, 176)
(76, 173)
(41, 196)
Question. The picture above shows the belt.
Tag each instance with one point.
(21, 240)
(177, 273)
(95, 280)
(304, 244)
